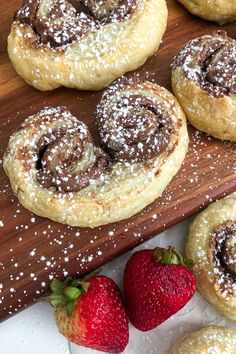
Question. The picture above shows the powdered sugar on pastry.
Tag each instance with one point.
(204, 82)
(210, 339)
(211, 245)
(56, 171)
(210, 61)
(84, 45)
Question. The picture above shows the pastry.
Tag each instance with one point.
(212, 246)
(213, 10)
(57, 172)
(83, 44)
(204, 82)
(211, 339)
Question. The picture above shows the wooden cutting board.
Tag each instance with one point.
(33, 249)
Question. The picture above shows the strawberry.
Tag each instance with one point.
(90, 313)
(157, 284)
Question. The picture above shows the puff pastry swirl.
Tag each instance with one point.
(57, 172)
(212, 246)
(213, 10)
(210, 339)
(84, 44)
(204, 82)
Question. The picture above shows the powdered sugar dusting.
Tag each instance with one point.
(210, 61)
(134, 123)
(58, 23)
(52, 242)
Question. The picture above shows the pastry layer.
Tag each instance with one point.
(120, 187)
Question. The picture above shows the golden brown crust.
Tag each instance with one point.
(121, 192)
(96, 59)
(209, 106)
(214, 10)
(209, 234)
(211, 339)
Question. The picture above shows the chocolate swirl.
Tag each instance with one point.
(223, 253)
(133, 127)
(60, 22)
(68, 159)
(210, 61)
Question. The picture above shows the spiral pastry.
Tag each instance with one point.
(204, 81)
(210, 339)
(220, 11)
(56, 171)
(67, 157)
(133, 126)
(83, 44)
(212, 246)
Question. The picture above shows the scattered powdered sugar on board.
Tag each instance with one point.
(39, 250)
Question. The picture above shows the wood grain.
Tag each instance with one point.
(32, 249)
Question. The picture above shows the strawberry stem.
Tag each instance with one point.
(66, 293)
(171, 256)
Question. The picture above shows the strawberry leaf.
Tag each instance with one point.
(70, 307)
(84, 287)
(57, 286)
(166, 257)
(66, 293)
(72, 292)
(67, 281)
(75, 282)
(171, 256)
(57, 301)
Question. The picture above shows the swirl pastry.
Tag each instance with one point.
(204, 81)
(210, 339)
(212, 246)
(57, 172)
(83, 44)
(213, 10)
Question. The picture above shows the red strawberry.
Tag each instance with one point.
(90, 313)
(157, 284)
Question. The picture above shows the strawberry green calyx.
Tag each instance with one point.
(171, 256)
(66, 293)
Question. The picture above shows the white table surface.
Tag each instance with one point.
(33, 331)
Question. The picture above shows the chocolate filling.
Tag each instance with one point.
(68, 159)
(134, 128)
(223, 252)
(210, 61)
(60, 22)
